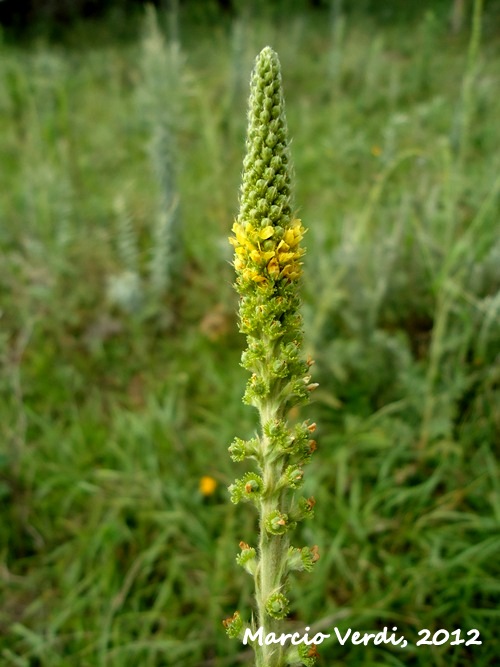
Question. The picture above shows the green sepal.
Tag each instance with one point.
(292, 478)
(296, 393)
(287, 442)
(305, 445)
(302, 559)
(277, 523)
(277, 605)
(278, 435)
(304, 509)
(257, 388)
(242, 449)
(247, 559)
(249, 487)
(301, 656)
(234, 626)
(255, 354)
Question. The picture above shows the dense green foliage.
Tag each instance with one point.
(112, 410)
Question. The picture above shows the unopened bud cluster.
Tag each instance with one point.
(268, 252)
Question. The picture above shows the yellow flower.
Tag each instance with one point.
(207, 485)
(266, 233)
(252, 274)
(285, 257)
(239, 232)
(239, 264)
(291, 272)
(273, 268)
(259, 256)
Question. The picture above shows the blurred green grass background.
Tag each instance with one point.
(119, 352)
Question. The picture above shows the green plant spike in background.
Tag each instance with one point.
(267, 241)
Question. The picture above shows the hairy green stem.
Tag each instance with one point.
(273, 550)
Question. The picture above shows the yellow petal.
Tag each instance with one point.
(291, 271)
(239, 232)
(273, 268)
(266, 233)
(290, 238)
(250, 274)
(257, 278)
(285, 257)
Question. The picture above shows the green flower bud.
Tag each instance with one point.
(247, 558)
(292, 477)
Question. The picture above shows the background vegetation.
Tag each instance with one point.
(119, 353)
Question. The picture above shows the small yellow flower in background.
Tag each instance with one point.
(207, 485)
(376, 151)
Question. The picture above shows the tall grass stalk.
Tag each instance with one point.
(451, 274)
(159, 99)
(161, 103)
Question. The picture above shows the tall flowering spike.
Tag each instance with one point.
(267, 260)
